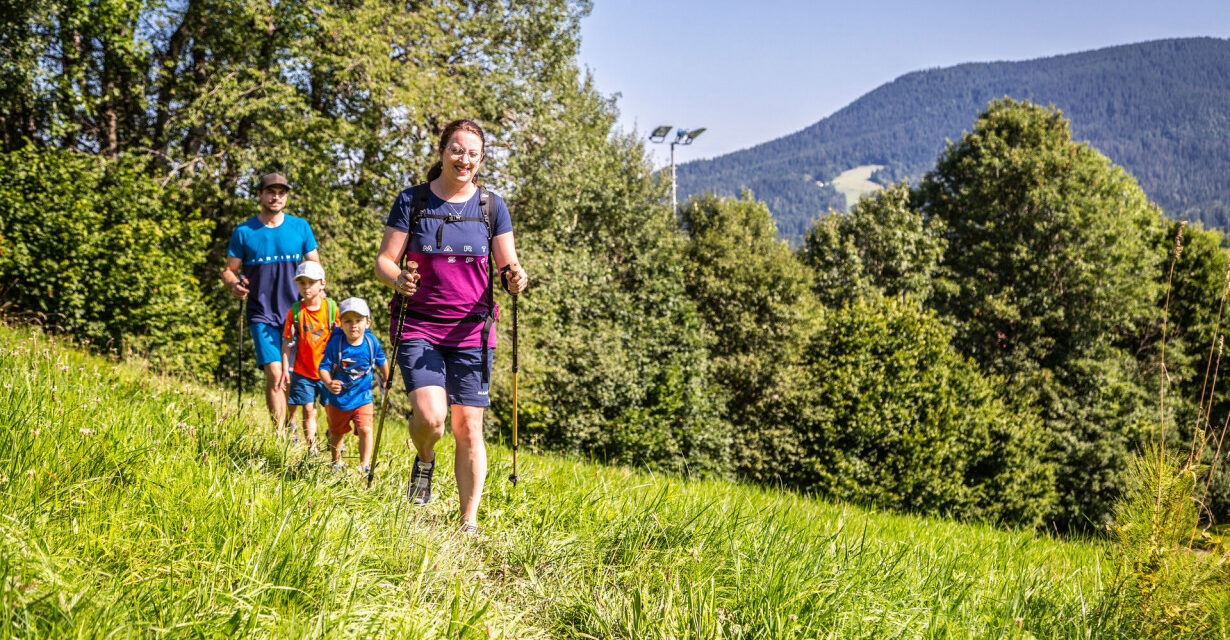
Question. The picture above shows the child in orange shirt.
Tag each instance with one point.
(307, 328)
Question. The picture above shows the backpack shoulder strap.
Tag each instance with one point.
(486, 203)
(418, 203)
(331, 312)
(294, 325)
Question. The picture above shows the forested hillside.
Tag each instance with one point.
(1158, 109)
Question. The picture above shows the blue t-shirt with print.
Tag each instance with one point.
(270, 256)
(354, 365)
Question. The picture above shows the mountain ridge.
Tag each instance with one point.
(1160, 109)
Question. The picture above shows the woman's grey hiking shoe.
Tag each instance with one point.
(469, 528)
(419, 487)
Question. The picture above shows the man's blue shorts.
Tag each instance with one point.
(458, 369)
(304, 390)
(267, 339)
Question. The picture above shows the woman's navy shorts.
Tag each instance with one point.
(458, 369)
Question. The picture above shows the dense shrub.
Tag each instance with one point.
(898, 419)
(613, 372)
(756, 301)
(101, 251)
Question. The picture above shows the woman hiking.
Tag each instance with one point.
(453, 229)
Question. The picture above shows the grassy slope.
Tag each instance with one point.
(853, 183)
(172, 518)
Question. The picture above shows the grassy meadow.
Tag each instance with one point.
(855, 183)
(138, 506)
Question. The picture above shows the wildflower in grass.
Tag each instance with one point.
(29, 474)
(85, 431)
(34, 433)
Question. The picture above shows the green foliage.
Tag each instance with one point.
(613, 372)
(898, 419)
(346, 99)
(1196, 409)
(1047, 242)
(101, 251)
(1148, 106)
(883, 245)
(756, 302)
(613, 351)
(1174, 591)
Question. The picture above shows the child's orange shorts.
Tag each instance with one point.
(340, 420)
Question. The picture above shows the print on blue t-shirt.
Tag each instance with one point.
(270, 256)
(354, 365)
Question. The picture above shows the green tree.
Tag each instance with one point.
(756, 301)
(895, 417)
(1046, 274)
(97, 249)
(347, 99)
(884, 245)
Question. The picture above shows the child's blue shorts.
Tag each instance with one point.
(304, 390)
(458, 369)
(267, 339)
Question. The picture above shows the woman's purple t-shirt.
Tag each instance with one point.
(452, 275)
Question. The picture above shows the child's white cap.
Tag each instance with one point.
(354, 305)
(310, 269)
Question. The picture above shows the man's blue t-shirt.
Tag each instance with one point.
(354, 365)
(270, 256)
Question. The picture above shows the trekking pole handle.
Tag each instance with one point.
(506, 272)
(411, 274)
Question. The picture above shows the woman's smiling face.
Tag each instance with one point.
(461, 157)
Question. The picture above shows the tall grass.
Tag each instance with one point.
(134, 506)
(1173, 590)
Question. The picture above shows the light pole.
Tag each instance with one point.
(682, 136)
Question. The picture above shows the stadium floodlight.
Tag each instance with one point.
(682, 136)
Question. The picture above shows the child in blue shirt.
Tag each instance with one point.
(351, 357)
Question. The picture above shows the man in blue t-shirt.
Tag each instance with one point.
(261, 260)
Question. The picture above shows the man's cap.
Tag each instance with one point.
(310, 269)
(354, 305)
(273, 180)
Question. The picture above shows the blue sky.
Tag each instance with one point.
(754, 71)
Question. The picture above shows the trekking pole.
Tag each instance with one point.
(507, 269)
(239, 370)
(513, 478)
(403, 302)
